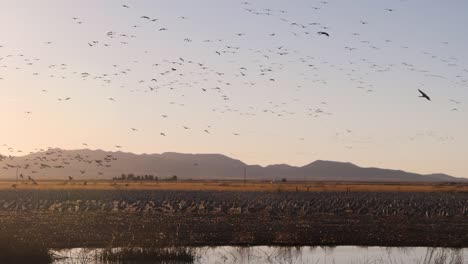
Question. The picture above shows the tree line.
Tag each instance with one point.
(143, 177)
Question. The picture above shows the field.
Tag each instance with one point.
(105, 214)
(249, 186)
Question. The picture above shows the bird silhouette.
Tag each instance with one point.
(323, 33)
(424, 95)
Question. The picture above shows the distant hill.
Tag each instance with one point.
(98, 164)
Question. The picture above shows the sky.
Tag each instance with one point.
(249, 79)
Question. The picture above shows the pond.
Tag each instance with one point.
(264, 254)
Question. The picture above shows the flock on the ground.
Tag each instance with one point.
(427, 205)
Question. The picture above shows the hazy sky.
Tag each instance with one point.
(257, 69)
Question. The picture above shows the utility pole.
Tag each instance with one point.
(245, 175)
(16, 189)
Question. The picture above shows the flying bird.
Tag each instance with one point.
(423, 95)
(323, 33)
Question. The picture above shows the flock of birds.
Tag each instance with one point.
(185, 75)
(39, 162)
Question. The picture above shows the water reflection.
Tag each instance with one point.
(270, 255)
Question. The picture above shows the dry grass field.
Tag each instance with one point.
(240, 186)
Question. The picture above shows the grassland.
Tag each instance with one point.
(250, 186)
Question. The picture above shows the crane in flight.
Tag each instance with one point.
(423, 95)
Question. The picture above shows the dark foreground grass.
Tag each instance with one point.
(153, 254)
(14, 252)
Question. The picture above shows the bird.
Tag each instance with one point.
(323, 33)
(423, 95)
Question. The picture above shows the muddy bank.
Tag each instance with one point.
(60, 219)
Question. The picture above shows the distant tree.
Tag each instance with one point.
(284, 180)
(173, 178)
(123, 177)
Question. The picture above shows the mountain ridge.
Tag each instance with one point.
(58, 164)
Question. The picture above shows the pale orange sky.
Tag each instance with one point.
(293, 97)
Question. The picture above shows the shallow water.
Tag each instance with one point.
(315, 255)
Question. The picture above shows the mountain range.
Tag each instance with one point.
(99, 164)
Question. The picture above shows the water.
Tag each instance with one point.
(296, 255)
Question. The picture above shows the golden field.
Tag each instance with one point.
(239, 186)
